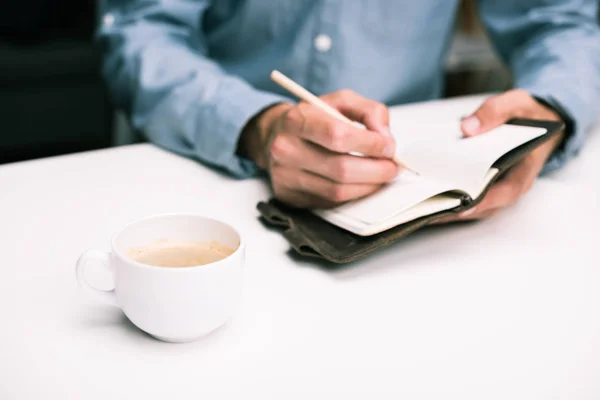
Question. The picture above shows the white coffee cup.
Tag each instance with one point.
(171, 304)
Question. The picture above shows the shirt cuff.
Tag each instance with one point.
(208, 118)
(221, 121)
(566, 107)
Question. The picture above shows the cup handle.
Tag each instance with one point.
(108, 296)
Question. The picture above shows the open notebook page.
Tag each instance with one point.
(466, 162)
(429, 206)
(406, 191)
(453, 163)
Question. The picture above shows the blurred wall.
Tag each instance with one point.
(472, 65)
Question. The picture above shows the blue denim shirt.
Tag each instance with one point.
(191, 73)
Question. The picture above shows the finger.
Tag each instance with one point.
(501, 195)
(504, 193)
(344, 168)
(373, 114)
(477, 215)
(306, 182)
(315, 125)
(497, 110)
(511, 187)
(292, 151)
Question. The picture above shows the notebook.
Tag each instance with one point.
(455, 173)
(452, 170)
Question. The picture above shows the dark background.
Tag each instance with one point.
(53, 100)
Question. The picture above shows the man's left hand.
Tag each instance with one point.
(518, 180)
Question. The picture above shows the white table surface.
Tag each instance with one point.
(508, 308)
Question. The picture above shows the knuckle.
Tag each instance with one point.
(294, 119)
(346, 93)
(521, 93)
(342, 98)
(342, 170)
(493, 105)
(522, 113)
(337, 193)
(377, 145)
(336, 135)
(379, 109)
(281, 147)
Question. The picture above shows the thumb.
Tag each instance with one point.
(494, 112)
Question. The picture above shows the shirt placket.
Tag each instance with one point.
(323, 46)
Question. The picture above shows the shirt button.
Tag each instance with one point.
(108, 19)
(323, 43)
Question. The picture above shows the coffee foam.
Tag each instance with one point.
(179, 253)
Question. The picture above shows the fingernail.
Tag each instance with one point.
(385, 131)
(468, 212)
(471, 125)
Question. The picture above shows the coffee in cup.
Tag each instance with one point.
(179, 253)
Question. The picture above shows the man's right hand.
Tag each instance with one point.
(305, 150)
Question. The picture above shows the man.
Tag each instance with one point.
(194, 77)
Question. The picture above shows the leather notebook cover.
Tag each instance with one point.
(312, 236)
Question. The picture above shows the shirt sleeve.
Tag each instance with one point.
(158, 71)
(553, 50)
